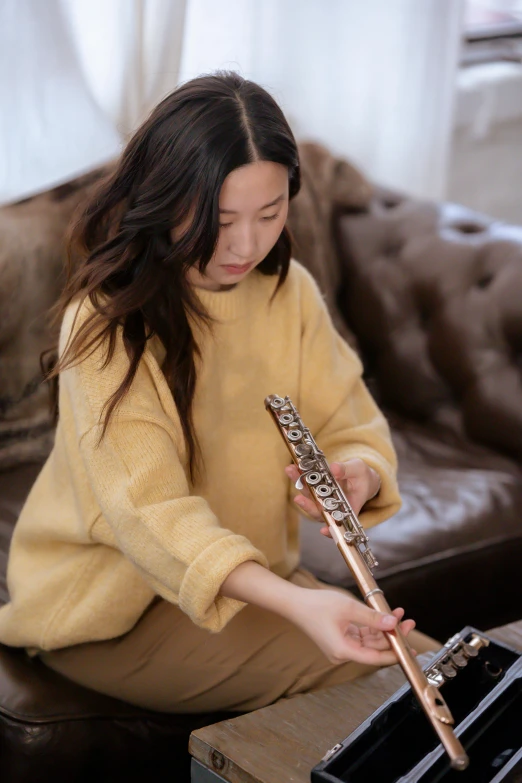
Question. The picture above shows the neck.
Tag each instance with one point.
(215, 288)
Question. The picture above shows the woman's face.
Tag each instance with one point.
(253, 206)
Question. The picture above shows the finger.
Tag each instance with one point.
(376, 639)
(308, 506)
(363, 615)
(373, 633)
(407, 626)
(292, 472)
(356, 495)
(338, 470)
(326, 532)
(356, 501)
(365, 631)
(398, 613)
(351, 467)
(355, 651)
(354, 632)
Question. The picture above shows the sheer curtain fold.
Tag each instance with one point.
(372, 80)
(51, 129)
(129, 51)
(77, 76)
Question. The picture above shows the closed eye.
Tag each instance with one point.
(268, 218)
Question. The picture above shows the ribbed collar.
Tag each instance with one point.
(226, 306)
(231, 304)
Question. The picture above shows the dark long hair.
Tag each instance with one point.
(169, 176)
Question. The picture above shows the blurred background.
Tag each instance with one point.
(422, 95)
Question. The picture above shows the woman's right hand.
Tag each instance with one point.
(343, 628)
(346, 629)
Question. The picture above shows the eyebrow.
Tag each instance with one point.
(272, 204)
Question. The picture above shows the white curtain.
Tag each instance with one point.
(75, 77)
(129, 51)
(372, 79)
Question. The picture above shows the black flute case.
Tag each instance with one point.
(481, 681)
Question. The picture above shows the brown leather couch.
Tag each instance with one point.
(434, 297)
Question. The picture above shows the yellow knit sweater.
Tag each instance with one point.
(109, 525)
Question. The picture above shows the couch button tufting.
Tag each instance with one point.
(468, 228)
(392, 248)
(390, 202)
(484, 281)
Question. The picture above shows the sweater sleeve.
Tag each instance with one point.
(137, 475)
(337, 406)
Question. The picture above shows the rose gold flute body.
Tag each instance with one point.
(428, 695)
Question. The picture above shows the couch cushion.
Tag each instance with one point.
(32, 253)
(434, 295)
(14, 487)
(451, 555)
(53, 729)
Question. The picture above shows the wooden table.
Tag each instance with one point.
(281, 743)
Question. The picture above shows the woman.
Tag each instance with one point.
(156, 558)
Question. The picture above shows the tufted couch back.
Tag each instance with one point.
(434, 294)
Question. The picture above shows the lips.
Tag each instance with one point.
(237, 269)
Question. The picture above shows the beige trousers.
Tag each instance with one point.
(167, 663)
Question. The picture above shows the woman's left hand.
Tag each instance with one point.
(358, 481)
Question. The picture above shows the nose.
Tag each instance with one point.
(244, 243)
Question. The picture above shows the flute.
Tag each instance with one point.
(352, 541)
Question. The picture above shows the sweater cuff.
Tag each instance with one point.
(388, 501)
(199, 592)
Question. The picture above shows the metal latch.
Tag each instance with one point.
(329, 753)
